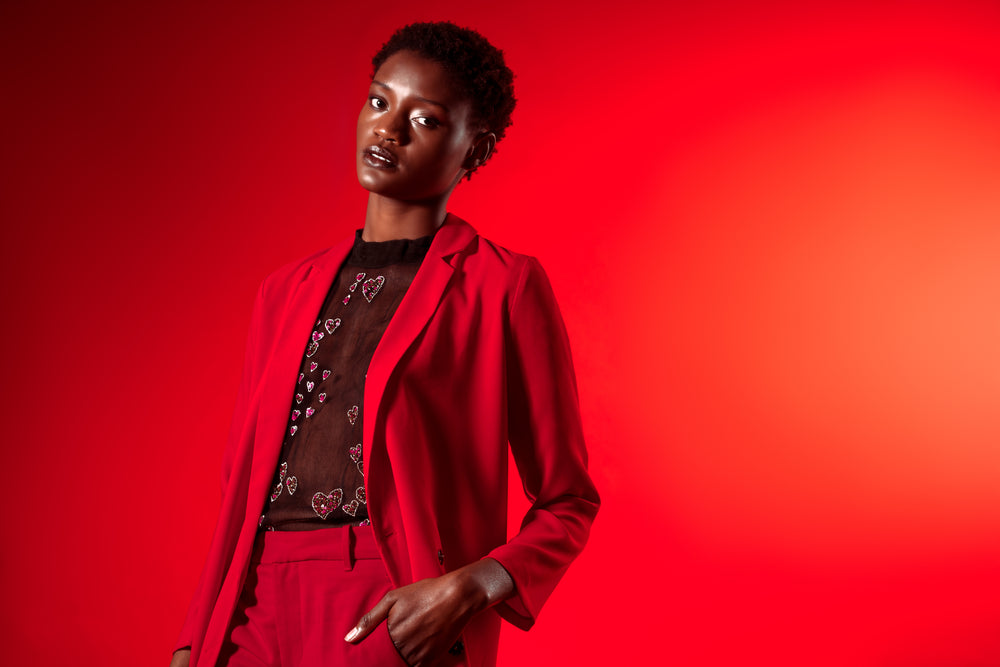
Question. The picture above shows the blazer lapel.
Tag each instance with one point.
(412, 315)
(295, 324)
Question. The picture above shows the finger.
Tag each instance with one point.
(370, 621)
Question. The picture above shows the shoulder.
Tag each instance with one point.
(490, 260)
(514, 277)
(522, 273)
(283, 281)
(293, 269)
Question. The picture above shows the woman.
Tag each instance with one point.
(363, 519)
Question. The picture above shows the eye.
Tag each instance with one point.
(426, 121)
(377, 103)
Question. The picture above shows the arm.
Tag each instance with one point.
(546, 438)
(426, 617)
(182, 658)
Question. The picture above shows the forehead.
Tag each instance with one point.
(408, 74)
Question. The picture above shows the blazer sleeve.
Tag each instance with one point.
(248, 381)
(546, 438)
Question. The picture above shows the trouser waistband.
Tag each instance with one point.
(341, 543)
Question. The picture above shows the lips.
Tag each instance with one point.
(380, 157)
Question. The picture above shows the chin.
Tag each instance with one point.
(365, 182)
(372, 182)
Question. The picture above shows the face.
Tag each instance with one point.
(415, 136)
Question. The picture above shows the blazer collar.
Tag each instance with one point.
(416, 308)
(452, 240)
(293, 324)
(453, 237)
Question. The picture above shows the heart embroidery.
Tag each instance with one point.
(360, 493)
(321, 397)
(331, 325)
(301, 375)
(276, 492)
(353, 287)
(309, 412)
(359, 277)
(292, 483)
(311, 350)
(312, 366)
(351, 507)
(323, 504)
(356, 453)
(372, 287)
(326, 374)
(318, 336)
(310, 385)
(352, 414)
(295, 414)
(282, 471)
(347, 299)
(299, 398)
(292, 430)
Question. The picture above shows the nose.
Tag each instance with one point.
(390, 128)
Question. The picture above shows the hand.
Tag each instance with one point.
(182, 657)
(426, 617)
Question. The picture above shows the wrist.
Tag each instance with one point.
(485, 583)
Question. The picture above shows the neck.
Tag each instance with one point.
(389, 219)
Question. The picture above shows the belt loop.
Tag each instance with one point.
(348, 548)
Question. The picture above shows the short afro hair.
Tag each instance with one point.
(477, 66)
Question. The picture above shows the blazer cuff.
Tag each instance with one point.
(186, 638)
(516, 609)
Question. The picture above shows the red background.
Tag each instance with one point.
(774, 228)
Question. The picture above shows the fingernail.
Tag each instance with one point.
(352, 634)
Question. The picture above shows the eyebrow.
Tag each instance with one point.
(422, 99)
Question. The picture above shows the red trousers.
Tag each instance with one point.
(304, 591)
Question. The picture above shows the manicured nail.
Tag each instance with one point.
(352, 634)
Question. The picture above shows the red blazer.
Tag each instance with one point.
(475, 357)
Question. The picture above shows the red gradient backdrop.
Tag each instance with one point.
(774, 228)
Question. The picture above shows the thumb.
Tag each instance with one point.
(370, 621)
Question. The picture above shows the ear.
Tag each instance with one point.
(480, 152)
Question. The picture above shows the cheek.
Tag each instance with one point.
(360, 133)
(446, 163)
(364, 131)
(453, 151)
